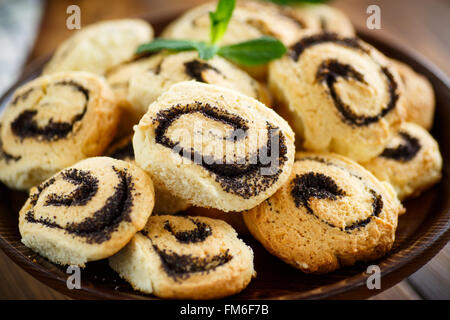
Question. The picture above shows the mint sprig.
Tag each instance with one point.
(219, 19)
(253, 52)
(249, 53)
(205, 50)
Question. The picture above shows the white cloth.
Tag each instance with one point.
(19, 24)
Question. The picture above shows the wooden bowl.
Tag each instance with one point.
(421, 233)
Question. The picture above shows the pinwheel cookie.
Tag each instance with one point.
(186, 258)
(86, 212)
(411, 161)
(331, 213)
(214, 147)
(53, 122)
(339, 94)
(100, 46)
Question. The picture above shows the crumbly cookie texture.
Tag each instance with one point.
(419, 96)
(339, 94)
(186, 258)
(331, 213)
(214, 147)
(51, 123)
(100, 46)
(411, 161)
(86, 212)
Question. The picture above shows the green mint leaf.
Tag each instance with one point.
(253, 52)
(206, 51)
(168, 44)
(219, 19)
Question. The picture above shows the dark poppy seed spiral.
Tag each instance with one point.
(86, 190)
(243, 176)
(181, 266)
(329, 72)
(319, 186)
(314, 185)
(199, 234)
(98, 227)
(26, 126)
(405, 151)
(195, 69)
(298, 48)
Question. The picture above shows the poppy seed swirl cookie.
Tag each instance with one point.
(339, 94)
(186, 258)
(214, 147)
(331, 213)
(131, 81)
(411, 161)
(86, 212)
(419, 96)
(165, 203)
(100, 46)
(53, 122)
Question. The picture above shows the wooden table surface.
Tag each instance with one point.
(422, 25)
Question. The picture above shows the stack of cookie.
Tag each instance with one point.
(153, 161)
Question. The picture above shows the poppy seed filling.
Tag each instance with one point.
(314, 185)
(195, 69)
(404, 152)
(298, 48)
(25, 125)
(318, 185)
(86, 190)
(98, 227)
(181, 266)
(241, 177)
(199, 234)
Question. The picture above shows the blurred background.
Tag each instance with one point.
(32, 29)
